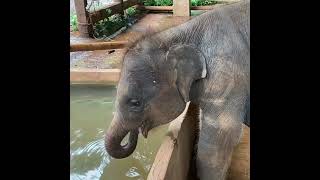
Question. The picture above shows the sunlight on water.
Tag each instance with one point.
(91, 111)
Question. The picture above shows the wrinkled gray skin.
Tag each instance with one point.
(205, 61)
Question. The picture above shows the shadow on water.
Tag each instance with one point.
(91, 110)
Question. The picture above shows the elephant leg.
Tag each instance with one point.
(218, 137)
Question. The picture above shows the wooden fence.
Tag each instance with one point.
(86, 19)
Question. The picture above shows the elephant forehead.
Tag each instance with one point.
(137, 85)
(141, 76)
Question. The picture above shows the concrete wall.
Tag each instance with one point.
(94, 76)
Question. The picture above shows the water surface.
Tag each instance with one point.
(91, 111)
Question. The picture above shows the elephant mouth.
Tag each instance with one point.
(144, 128)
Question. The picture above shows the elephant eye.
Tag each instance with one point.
(134, 103)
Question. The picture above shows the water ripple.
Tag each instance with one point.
(90, 150)
(132, 172)
(94, 147)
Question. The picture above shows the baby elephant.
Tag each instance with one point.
(205, 61)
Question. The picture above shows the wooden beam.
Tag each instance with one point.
(157, 8)
(203, 7)
(98, 46)
(170, 8)
(84, 25)
(116, 8)
(122, 8)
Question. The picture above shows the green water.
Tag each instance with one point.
(91, 111)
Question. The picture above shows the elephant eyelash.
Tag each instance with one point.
(136, 109)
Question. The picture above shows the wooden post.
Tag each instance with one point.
(181, 7)
(84, 25)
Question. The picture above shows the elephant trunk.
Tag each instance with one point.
(115, 135)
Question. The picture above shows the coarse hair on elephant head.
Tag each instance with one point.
(153, 89)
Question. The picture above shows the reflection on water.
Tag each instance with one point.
(91, 111)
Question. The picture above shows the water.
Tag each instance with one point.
(91, 111)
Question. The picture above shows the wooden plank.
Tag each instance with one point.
(160, 164)
(116, 8)
(84, 26)
(173, 158)
(98, 46)
(122, 8)
(157, 8)
(203, 7)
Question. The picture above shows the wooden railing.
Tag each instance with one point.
(98, 46)
(174, 157)
(115, 7)
(86, 19)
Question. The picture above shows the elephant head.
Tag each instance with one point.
(153, 89)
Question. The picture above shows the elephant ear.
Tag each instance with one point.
(188, 65)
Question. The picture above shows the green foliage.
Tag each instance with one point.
(108, 11)
(113, 23)
(131, 11)
(74, 22)
(203, 2)
(157, 2)
(108, 25)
